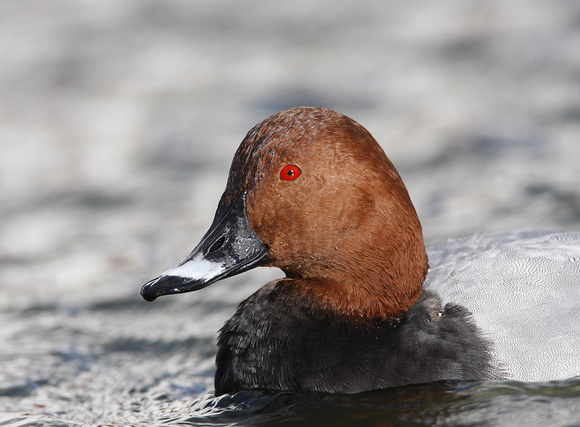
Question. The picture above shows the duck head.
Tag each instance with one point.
(310, 191)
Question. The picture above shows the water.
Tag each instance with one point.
(118, 121)
(127, 362)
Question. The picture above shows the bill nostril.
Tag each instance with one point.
(216, 245)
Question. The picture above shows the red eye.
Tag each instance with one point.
(290, 172)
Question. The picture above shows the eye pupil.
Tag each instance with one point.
(290, 172)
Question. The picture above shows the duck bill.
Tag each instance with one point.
(229, 247)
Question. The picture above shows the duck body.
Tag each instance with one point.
(277, 341)
(495, 306)
(522, 289)
(310, 191)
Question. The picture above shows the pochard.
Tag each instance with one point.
(310, 191)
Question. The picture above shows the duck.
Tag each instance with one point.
(363, 304)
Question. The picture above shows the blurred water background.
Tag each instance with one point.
(118, 121)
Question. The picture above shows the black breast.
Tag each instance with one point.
(277, 341)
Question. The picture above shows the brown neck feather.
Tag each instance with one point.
(376, 287)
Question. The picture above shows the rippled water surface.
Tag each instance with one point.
(118, 122)
(126, 362)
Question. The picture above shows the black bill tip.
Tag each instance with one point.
(165, 285)
(147, 291)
